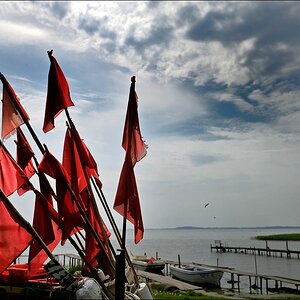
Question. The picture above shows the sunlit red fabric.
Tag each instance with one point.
(44, 226)
(132, 141)
(127, 201)
(11, 118)
(14, 238)
(24, 158)
(86, 158)
(69, 214)
(12, 176)
(72, 164)
(58, 94)
(94, 254)
(77, 161)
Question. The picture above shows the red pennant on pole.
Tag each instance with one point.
(14, 238)
(24, 159)
(69, 215)
(12, 176)
(58, 94)
(11, 118)
(46, 228)
(127, 201)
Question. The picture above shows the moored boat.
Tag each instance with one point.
(197, 274)
(147, 264)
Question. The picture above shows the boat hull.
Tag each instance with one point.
(197, 275)
(155, 267)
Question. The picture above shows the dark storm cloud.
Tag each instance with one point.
(274, 25)
(270, 22)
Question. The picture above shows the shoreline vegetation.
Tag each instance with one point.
(279, 237)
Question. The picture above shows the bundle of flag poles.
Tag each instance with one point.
(76, 179)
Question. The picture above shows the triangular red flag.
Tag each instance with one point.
(11, 117)
(72, 164)
(69, 215)
(14, 238)
(12, 176)
(24, 159)
(132, 140)
(127, 201)
(86, 158)
(58, 94)
(46, 228)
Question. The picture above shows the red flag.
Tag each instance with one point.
(12, 176)
(72, 164)
(46, 228)
(86, 158)
(24, 158)
(132, 141)
(14, 238)
(127, 201)
(58, 95)
(47, 206)
(11, 117)
(69, 214)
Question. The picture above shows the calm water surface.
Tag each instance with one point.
(194, 245)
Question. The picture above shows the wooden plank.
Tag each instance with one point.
(166, 280)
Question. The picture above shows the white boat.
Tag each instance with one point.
(147, 264)
(197, 274)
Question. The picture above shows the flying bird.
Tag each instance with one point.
(206, 205)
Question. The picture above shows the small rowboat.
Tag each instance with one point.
(147, 264)
(196, 274)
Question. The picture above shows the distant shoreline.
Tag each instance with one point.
(225, 227)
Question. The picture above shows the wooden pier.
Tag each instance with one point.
(221, 247)
(258, 283)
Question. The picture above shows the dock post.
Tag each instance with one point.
(288, 253)
(250, 284)
(232, 281)
(179, 265)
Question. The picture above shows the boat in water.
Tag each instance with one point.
(197, 275)
(144, 263)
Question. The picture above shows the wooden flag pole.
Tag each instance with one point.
(71, 126)
(43, 150)
(69, 282)
(115, 228)
(73, 243)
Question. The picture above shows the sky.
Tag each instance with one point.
(219, 101)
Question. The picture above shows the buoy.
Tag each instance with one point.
(90, 289)
(143, 291)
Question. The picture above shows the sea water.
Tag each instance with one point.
(193, 245)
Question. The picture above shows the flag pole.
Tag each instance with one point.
(69, 281)
(115, 228)
(21, 112)
(94, 272)
(43, 150)
(105, 206)
(91, 197)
